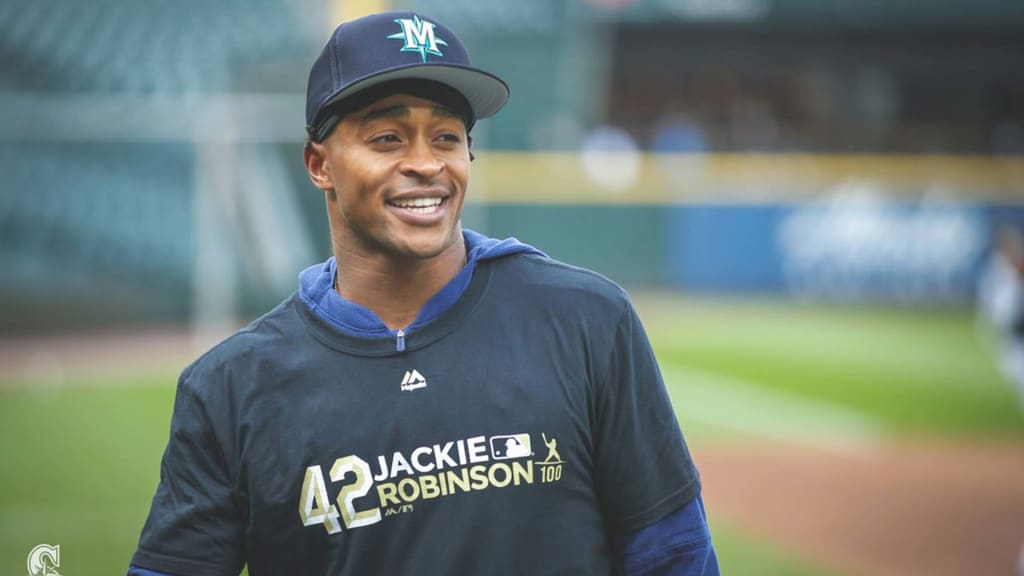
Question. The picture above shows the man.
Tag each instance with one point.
(399, 414)
(1001, 302)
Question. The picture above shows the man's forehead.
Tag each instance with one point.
(403, 104)
(400, 106)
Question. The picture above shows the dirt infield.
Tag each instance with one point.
(904, 509)
(71, 358)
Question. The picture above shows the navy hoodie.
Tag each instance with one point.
(316, 289)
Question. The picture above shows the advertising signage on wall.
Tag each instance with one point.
(857, 245)
(853, 245)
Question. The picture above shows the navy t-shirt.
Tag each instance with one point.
(514, 434)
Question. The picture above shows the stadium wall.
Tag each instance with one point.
(865, 229)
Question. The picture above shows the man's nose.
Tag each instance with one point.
(421, 160)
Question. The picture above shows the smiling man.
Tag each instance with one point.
(430, 400)
(395, 175)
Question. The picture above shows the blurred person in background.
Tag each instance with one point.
(430, 401)
(679, 144)
(1001, 302)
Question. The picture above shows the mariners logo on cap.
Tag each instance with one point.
(418, 36)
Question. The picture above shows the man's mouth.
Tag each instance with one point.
(418, 205)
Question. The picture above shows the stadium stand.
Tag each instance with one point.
(96, 214)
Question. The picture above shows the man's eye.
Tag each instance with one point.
(385, 139)
(452, 138)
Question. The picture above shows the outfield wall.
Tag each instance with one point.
(896, 229)
(897, 252)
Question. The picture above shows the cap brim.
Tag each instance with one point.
(485, 92)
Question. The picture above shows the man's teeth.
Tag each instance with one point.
(422, 205)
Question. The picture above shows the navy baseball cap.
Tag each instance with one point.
(389, 47)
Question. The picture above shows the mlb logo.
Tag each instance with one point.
(512, 446)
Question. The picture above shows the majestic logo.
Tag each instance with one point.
(418, 36)
(413, 380)
(43, 560)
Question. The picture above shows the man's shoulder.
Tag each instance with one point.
(537, 276)
(264, 339)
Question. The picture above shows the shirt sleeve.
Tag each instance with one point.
(642, 467)
(678, 545)
(195, 525)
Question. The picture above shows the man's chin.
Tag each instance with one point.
(427, 247)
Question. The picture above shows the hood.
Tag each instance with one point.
(316, 289)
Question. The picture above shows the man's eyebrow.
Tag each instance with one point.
(446, 112)
(402, 111)
(391, 112)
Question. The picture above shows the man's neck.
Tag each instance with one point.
(395, 289)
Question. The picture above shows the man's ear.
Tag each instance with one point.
(315, 157)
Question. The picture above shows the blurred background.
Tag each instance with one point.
(803, 196)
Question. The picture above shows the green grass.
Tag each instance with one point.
(81, 461)
(920, 373)
(80, 466)
(740, 554)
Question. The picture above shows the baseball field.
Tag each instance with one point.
(831, 440)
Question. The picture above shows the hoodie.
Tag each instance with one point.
(316, 290)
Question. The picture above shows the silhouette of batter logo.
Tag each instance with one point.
(553, 456)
